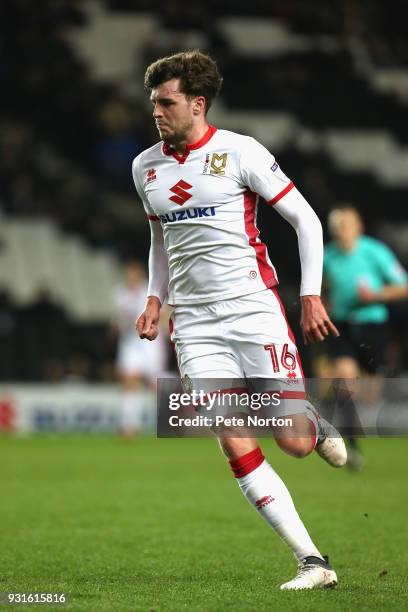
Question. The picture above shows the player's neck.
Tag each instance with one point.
(193, 136)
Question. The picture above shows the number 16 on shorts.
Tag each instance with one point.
(282, 360)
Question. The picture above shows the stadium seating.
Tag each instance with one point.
(325, 89)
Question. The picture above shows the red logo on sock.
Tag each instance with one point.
(264, 501)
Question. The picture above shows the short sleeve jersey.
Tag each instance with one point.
(206, 201)
(371, 264)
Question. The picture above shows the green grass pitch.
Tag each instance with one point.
(160, 525)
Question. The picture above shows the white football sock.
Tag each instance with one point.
(265, 490)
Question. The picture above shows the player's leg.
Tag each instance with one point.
(203, 355)
(268, 494)
(325, 439)
(268, 354)
(265, 491)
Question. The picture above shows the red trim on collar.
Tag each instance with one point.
(200, 143)
(168, 150)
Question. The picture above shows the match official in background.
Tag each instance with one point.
(361, 275)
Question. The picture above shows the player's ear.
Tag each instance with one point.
(198, 105)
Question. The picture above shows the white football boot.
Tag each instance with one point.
(330, 445)
(313, 573)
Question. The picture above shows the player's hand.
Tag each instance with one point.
(315, 322)
(147, 324)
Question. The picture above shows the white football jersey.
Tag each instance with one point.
(206, 202)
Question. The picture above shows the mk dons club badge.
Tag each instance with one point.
(215, 163)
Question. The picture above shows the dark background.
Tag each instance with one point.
(69, 133)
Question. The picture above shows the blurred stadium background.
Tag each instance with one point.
(323, 84)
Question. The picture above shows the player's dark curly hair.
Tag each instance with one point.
(198, 74)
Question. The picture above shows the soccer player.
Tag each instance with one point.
(199, 187)
(362, 275)
(137, 361)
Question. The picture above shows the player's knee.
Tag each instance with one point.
(234, 448)
(296, 447)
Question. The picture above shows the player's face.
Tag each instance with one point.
(173, 111)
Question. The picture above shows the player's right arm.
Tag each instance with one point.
(147, 324)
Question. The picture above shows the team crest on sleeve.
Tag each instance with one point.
(215, 163)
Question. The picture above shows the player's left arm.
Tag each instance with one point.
(262, 174)
(315, 322)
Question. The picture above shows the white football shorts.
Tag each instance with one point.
(237, 340)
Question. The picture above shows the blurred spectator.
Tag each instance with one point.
(139, 362)
(121, 139)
